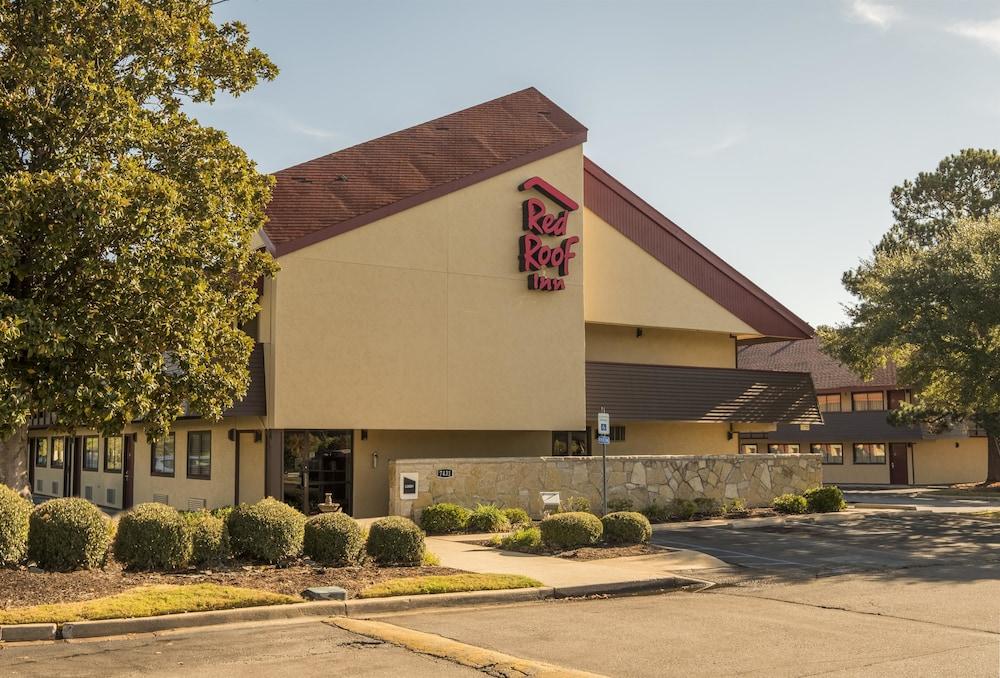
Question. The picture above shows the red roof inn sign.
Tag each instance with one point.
(534, 255)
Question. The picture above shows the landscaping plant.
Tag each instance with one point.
(517, 517)
(571, 530)
(708, 507)
(626, 527)
(152, 537)
(737, 508)
(618, 504)
(682, 509)
(825, 499)
(444, 518)
(269, 531)
(15, 512)
(209, 537)
(576, 504)
(657, 512)
(790, 503)
(524, 540)
(68, 534)
(488, 518)
(395, 541)
(333, 539)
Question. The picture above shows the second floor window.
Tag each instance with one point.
(869, 453)
(162, 456)
(866, 402)
(829, 402)
(58, 452)
(114, 454)
(833, 453)
(783, 448)
(91, 453)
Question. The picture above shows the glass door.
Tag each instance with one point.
(318, 463)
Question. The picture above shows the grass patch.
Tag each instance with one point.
(988, 515)
(146, 601)
(448, 583)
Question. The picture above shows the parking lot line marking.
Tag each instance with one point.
(697, 547)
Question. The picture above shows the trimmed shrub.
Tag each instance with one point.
(68, 534)
(395, 541)
(571, 530)
(209, 537)
(825, 499)
(619, 504)
(444, 518)
(790, 503)
(15, 512)
(269, 531)
(657, 512)
(488, 518)
(626, 527)
(430, 559)
(152, 536)
(737, 508)
(707, 506)
(517, 517)
(525, 540)
(576, 505)
(222, 513)
(333, 539)
(682, 509)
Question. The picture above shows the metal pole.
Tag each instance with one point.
(604, 464)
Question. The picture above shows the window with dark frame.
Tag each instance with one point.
(58, 452)
(114, 454)
(91, 453)
(833, 453)
(199, 455)
(783, 448)
(869, 453)
(828, 402)
(868, 401)
(750, 448)
(162, 456)
(570, 444)
(41, 452)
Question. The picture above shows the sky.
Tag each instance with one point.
(772, 131)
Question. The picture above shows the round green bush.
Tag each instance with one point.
(268, 531)
(517, 517)
(571, 530)
(682, 509)
(209, 537)
(15, 511)
(333, 539)
(395, 541)
(790, 503)
(68, 534)
(626, 527)
(488, 518)
(825, 499)
(152, 536)
(444, 518)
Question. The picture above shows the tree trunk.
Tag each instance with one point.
(993, 456)
(14, 461)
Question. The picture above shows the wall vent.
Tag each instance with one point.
(88, 492)
(39, 485)
(55, 487)
(195, 504)
(161, 499)
(112, 499)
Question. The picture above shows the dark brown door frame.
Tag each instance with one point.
(898, 464)
(69, 463)
(128, 482)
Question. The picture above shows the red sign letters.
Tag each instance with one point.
(534, 255)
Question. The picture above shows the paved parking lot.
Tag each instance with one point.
(870, 543)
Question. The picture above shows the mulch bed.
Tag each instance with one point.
(602, 552)
(19, 588)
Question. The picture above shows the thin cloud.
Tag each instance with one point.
(986, 33)
(731, 138)
(874, 13)
(309, 131)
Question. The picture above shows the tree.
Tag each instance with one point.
(926, 300)
(126, 266)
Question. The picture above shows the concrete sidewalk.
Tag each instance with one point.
(466, 552)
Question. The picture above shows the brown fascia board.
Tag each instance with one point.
(707, 271)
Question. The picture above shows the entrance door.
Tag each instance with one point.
(69, 463)
(129, 476)
(77, 465)
(899, 470)
(318, 463)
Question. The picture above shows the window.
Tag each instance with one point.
(869, 453)
(199, 455)
(91, 453)
(162, 457)
(867, 402)
(617, 434)
(783, 448)
(833, 453)
(58, 452)
(114, 454)
(41, 452)
(829, 402)
(750, 448)
(570, 444)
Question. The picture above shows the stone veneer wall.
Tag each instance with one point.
(517, 481)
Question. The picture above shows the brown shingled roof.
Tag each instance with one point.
(806, 356)
(361, 184)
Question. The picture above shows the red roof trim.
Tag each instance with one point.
(672, 246)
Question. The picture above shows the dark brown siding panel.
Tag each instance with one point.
(666, 393)
(847, 428)
(677, 250)
(255, 402)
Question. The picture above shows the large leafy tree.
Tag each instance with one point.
(126, 258)
(927, 299)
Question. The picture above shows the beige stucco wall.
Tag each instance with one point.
(518, 481)
(422, 320)
(628, 286)
(849, 472)
(939, 461)
(619, 344)
(674, 437)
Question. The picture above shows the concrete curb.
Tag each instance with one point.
(770, 521)
(876, 505)
(613, 588)
(27, 632)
